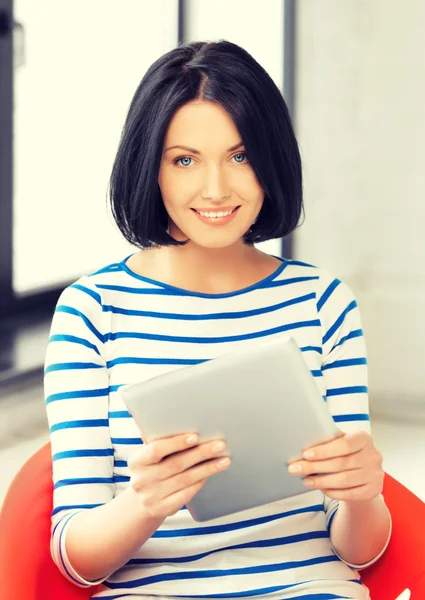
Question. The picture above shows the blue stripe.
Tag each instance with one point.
(259, 592)
(288, 282)
(77, 424)
(356, 333)
(300, 263)
(212, 573)
(316, 373)
(211, 340)
(69, 506)
(121, 479)
(351, 417)
(81, 481)
(349, 362)
(83, 453)
(71, 365)
(127, 441)
(325, 596)
(331, 518)
(119, 414)
(142, 291)
(182, 292)
(176, 292)
(120, 463)
(317, 349)
(108, 268)
(74, 340)
(326, 294)
(86, 290)
(77, 394)
(61, 519)
(353, 389)
(170, 533)
(124, 360)
(73, 311)
(339, 321)
(61, 557)
(290, 539)
(208, 316)
(58, 523)
(115, 388)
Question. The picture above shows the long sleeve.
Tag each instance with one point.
(76, 387)
(344, 367)
(344, 364)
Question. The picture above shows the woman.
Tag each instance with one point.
(207, 166)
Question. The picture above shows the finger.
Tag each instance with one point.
(344, 445)
(172, 465)
(331, 465)
(174, 502)
(191, 476)
(361, 492)
(336, 481)
(154, 452)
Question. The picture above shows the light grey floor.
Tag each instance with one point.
(23, 429)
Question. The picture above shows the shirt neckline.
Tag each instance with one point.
(184, 292)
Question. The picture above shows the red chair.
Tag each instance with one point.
(27, 571)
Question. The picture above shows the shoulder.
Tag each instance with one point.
(86, 293)
(329, 289)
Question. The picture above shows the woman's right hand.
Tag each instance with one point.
(166, 473)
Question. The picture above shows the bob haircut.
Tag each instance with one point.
(224, 73)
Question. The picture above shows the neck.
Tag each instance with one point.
(215, 261)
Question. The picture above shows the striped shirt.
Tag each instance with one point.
(115, 327)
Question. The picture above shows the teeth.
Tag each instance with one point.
(215, 214)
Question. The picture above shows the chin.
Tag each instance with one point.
(214, 239)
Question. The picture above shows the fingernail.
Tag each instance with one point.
(191, 439)
(308, 454)
(223, 463)
(218, 447)
(294, 468)
(309, 482)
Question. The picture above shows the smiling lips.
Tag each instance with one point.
(216, 217)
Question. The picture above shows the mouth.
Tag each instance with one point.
(215, 212)
(224, 215)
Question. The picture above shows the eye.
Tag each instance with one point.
(241, 154)
(177, 161)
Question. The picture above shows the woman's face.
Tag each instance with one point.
(209, 189)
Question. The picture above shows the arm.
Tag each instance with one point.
(102, 540)
(93, 533)
(348, 470)
(360, 531)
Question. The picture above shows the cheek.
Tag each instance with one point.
(175, 190)
(248, 187)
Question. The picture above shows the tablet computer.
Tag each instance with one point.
(262, 400)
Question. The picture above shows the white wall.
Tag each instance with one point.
(84, 61)
(248, 23)
(361, 127)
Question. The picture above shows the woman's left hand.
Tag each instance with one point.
(346, 468)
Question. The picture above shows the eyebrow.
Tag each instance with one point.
(197, 151)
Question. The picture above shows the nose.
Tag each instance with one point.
(215, 185)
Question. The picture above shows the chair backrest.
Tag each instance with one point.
(27, 571)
